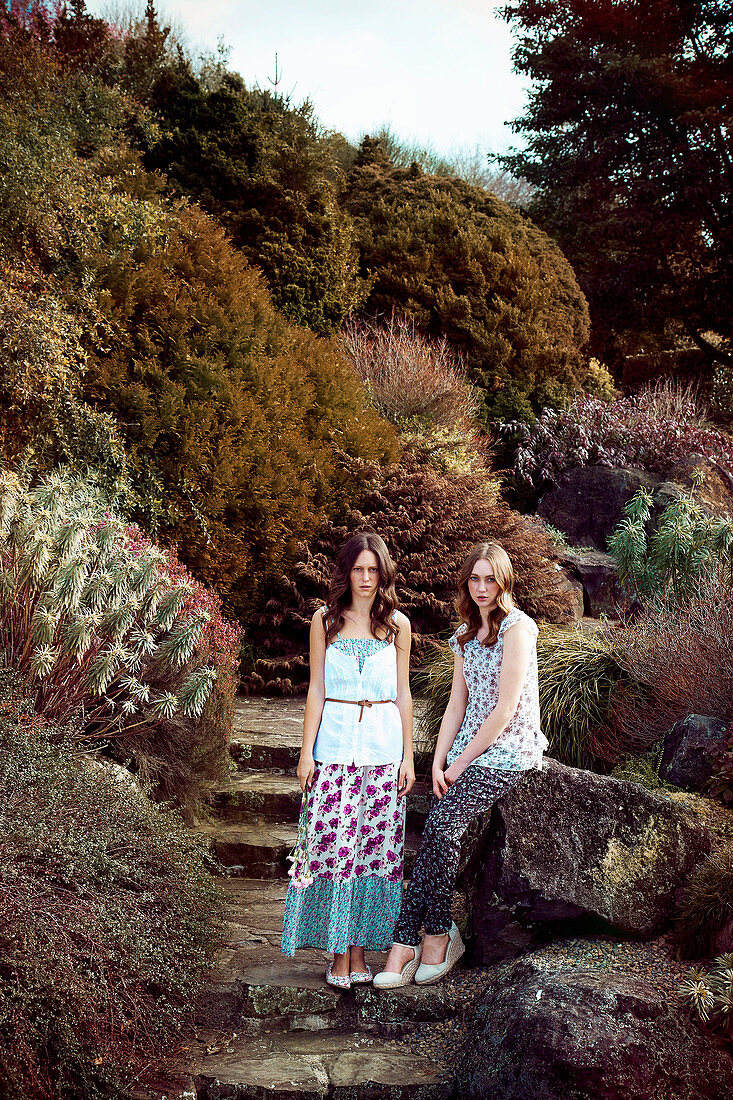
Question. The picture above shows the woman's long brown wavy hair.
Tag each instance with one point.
(468, 610)
(339, 594)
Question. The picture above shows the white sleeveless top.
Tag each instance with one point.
(341, 737)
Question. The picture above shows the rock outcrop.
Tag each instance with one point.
(597, 572)
(586, 1035)
(691, 750)
(588, 502)
(568, 844)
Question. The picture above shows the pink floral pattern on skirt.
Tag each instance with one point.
(355, 824)
(346, 885)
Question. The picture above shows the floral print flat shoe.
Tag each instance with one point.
(337, 980)
(361, 977)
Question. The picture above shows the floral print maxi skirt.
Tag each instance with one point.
(346, 884)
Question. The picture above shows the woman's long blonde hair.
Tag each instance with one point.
(468, 611)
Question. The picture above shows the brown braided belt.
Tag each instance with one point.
(360, 703)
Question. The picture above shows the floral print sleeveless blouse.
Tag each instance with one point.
(520, 746)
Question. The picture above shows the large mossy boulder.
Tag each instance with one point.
(586, 1034)
(566, 844)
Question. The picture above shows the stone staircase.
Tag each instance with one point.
(269, 1026)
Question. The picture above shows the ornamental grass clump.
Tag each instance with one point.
(419, 383)
(580, 680)
(109, 916)
(432, 683)
(109, 631)
(705, 914)
(679, 650)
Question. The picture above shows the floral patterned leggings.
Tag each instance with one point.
(427, 899)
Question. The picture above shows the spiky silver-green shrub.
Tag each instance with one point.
(709, 995)
(685, 541)
(106, 627)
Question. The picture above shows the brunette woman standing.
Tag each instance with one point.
(355, 768)
(489, 738)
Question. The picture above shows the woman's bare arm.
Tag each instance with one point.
(314, 699)
(403, 642)
(450, 725)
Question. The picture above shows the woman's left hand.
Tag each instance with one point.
(451, 774)
(406, 778)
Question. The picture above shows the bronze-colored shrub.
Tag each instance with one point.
(237, 416)
(429, 520)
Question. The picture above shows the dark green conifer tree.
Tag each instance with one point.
(628, 140)
(467, 266)
(267, 172)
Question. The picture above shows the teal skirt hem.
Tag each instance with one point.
(336, 914)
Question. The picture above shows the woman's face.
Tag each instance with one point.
(364, 576)
(482, 587)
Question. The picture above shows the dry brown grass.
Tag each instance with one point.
(683, 655)
(411, 377)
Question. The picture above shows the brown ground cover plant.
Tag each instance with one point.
(429, 520)
(681, 650)
(109, 917)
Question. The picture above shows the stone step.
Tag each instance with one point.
(260, 850)
(267, 733)
(256, 796)
(254, 850)
(313, 1066)
(254, 988)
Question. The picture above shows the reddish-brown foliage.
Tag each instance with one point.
(681, 655)
(429, 521)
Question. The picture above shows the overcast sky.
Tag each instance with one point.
(437, 71)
